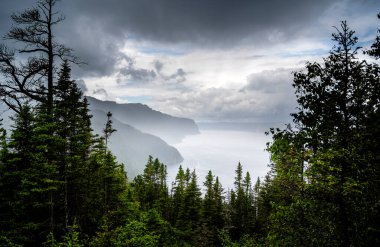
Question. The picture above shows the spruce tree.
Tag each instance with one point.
(237, 205)
(28, 182)
(73, 141)
(211, 211)
(326, 172)
(151, 189)
(178, 192)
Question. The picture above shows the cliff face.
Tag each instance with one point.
(133, 147)
(169, 128)
(141, 131)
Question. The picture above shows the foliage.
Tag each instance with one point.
(61, 186)
(323, 171)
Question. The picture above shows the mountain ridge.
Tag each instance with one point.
(169, 128)
(133, 147)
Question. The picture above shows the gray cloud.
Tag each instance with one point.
(82, 85)
(158, 65)
(267, 96)
(271, 81)
(138, 75)
(223, 104)
(100, 93)
(215, 21)
(134, 74)
(178, 76)
(97, 29)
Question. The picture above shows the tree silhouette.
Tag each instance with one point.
(34, 78)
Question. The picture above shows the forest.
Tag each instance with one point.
(61, 186)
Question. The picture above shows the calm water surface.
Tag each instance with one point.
(220, 152)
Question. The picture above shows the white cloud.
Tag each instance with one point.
(248, 80)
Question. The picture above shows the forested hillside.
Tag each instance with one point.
(61, 186)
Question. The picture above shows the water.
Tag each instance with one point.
(220, 151)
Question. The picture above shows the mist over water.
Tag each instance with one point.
(220, 151)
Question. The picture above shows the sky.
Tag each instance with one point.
(209, 60)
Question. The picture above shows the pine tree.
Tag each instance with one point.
(219, 218)
(178, 193)
(237, 205)
(108, 130)
(375, 48)
(73, 141)
(211, 212)
(323, 171)
(29, 182)
(248, 218)
(189, 216)
(151, 189)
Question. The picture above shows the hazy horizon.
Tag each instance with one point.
(220, 151)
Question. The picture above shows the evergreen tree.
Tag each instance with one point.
(237, 205)
(28, 182)
(73, 142)
(375, 48)
(329, 165)
(189, 208)
(211, 212)
(219, 217)
(108, 130)
(151, 189)
(248, 219)
(178, 193)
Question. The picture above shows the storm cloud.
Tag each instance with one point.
(205, 59)
(215, 21)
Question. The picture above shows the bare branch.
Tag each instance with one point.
(34, 50)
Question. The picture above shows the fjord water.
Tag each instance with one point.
(220, 151)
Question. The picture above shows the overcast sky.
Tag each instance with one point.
(210, 60)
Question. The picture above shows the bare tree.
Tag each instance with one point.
(32, 78)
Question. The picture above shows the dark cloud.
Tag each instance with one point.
(131, 73)
(138, 75)
(212, 21)
(97, 29)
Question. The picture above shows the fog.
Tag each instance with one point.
(220, 151)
